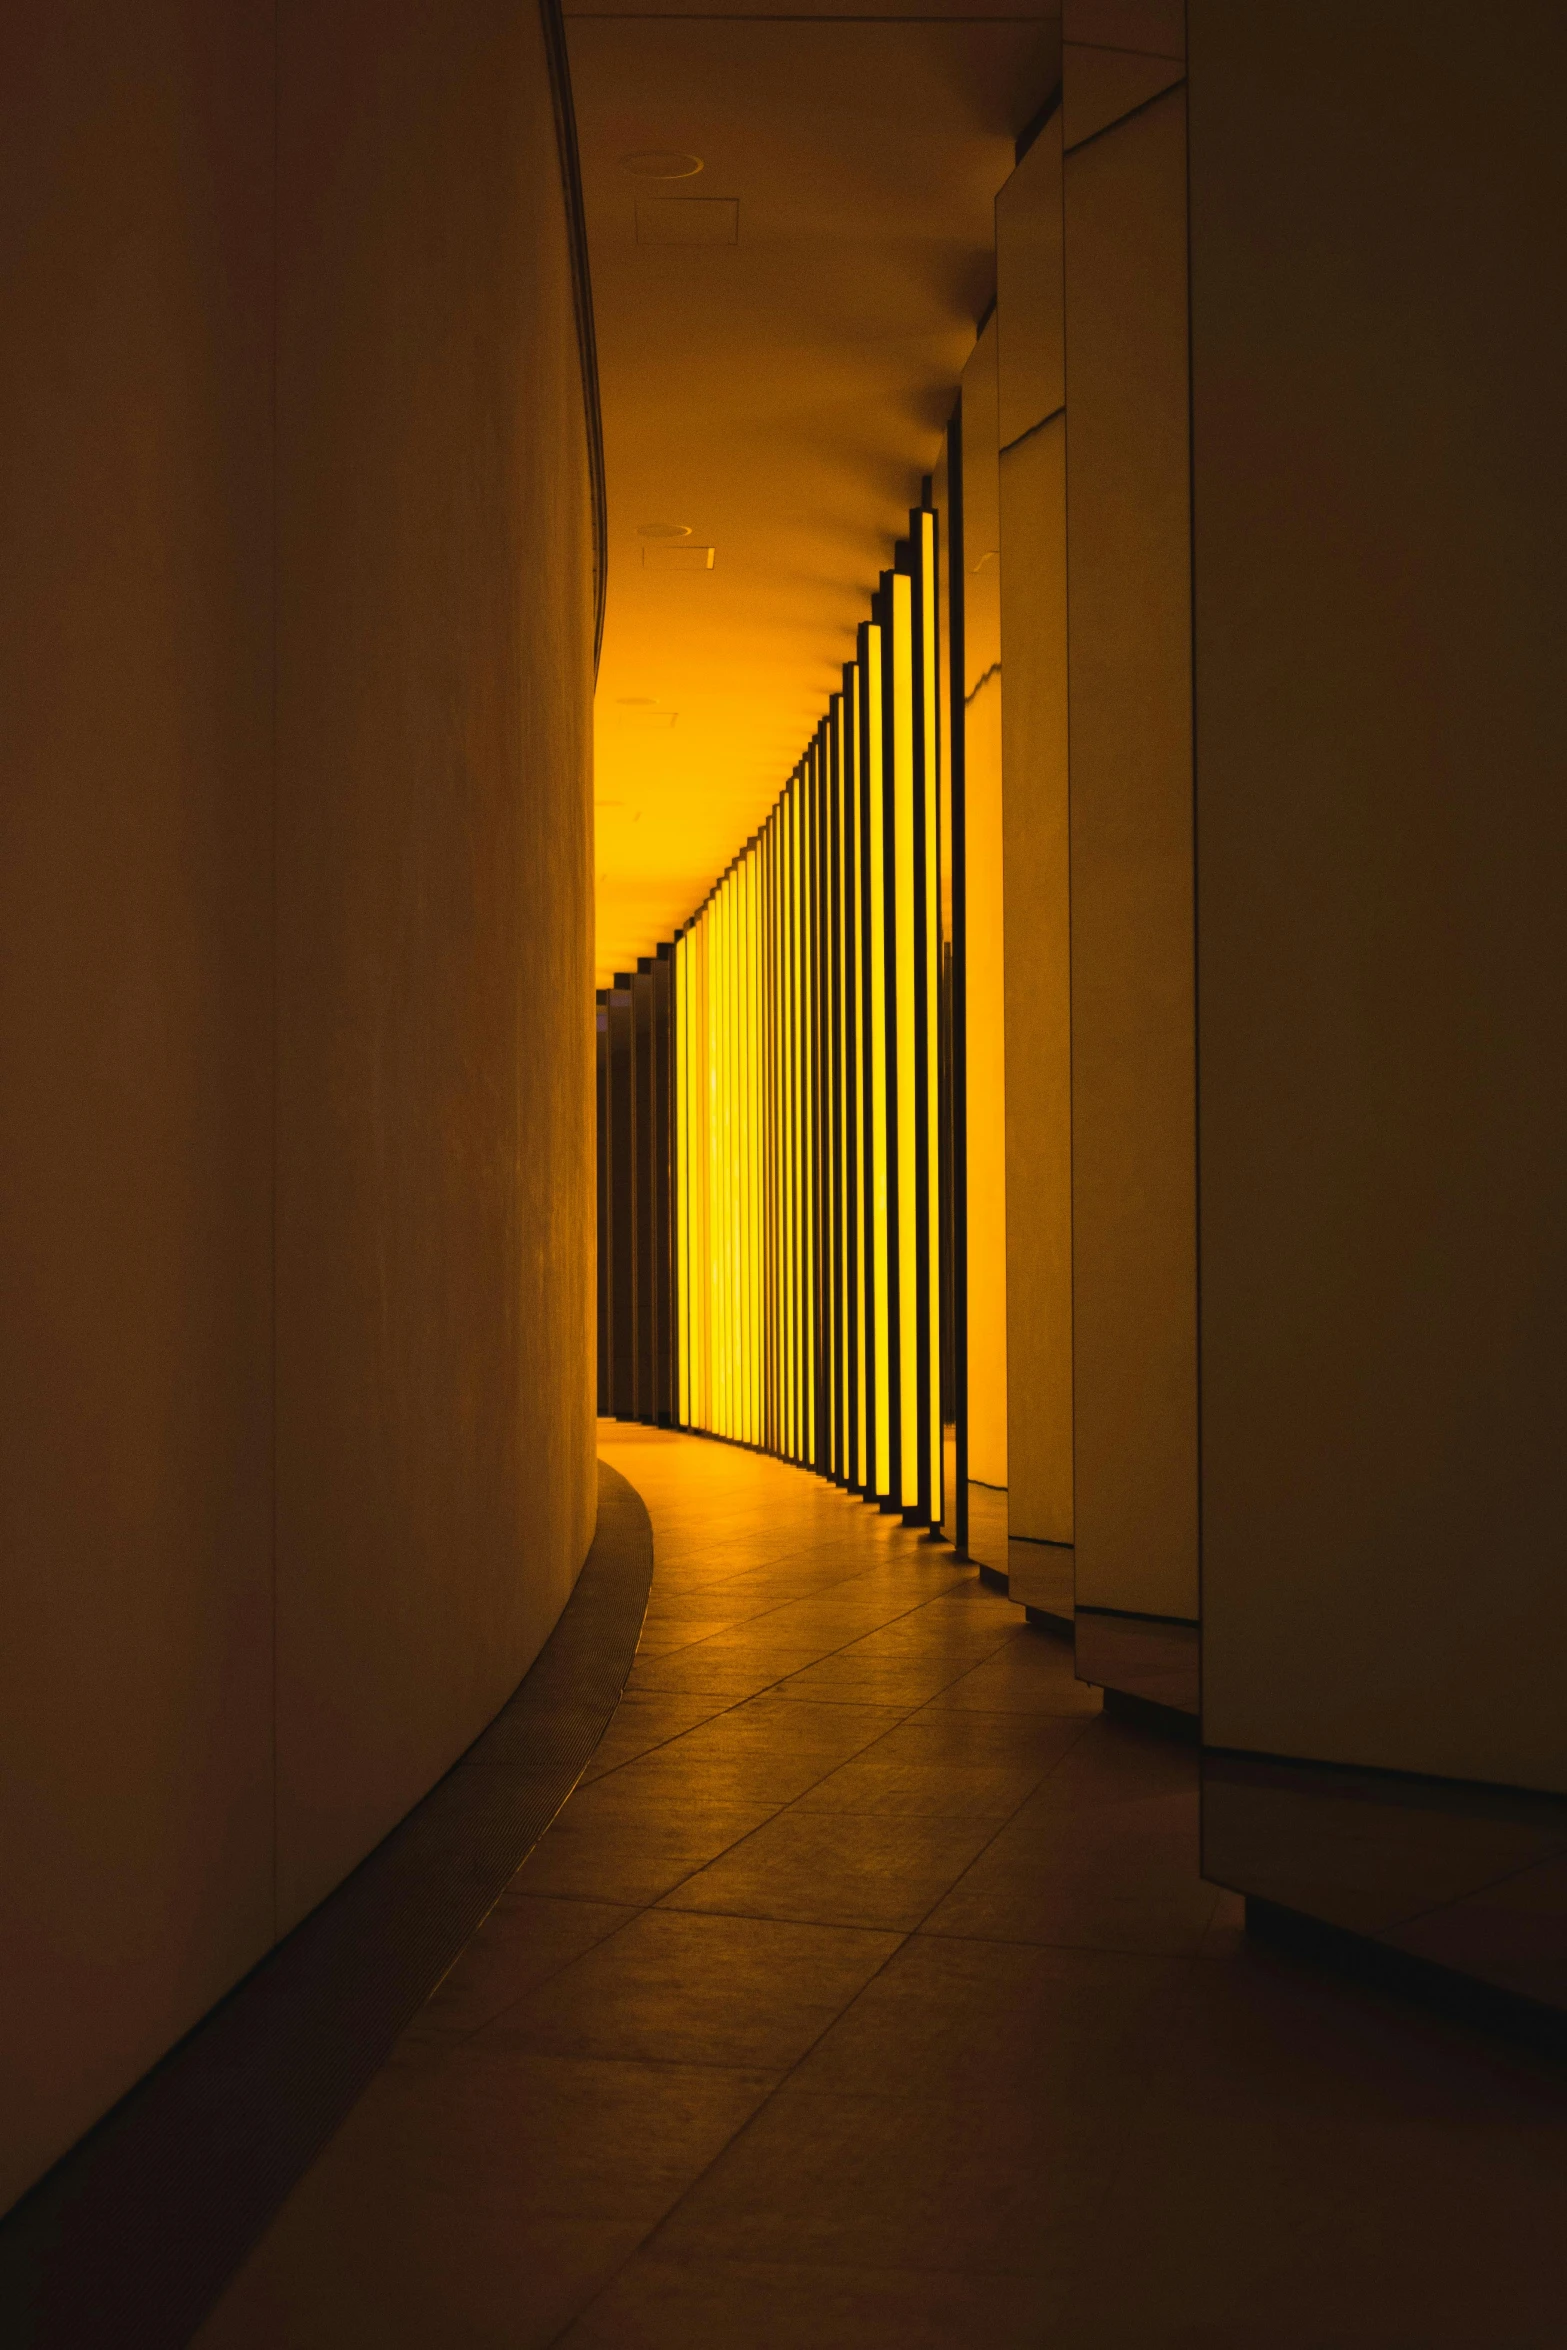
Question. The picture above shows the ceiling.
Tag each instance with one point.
(775, 391)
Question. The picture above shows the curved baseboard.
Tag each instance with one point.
(126, 2243)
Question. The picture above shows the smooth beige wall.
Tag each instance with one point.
(353, 777)
(1134, 1173)
(1378, 381)
(1116, 55)
(435, 1169)
(985, 932)
(1034, 834)
(135, 1046)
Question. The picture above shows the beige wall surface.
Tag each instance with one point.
(135, 1046)
(1038, 1039)
(1034, 842)
(434, 857)
(987, 1138)
(1030, 363)
(425, 917)
(1378, 377)
(1134, 1209)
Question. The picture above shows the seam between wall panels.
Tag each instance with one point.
(277, 72)
(553, 21)
(1143, 106)
(1017, 442)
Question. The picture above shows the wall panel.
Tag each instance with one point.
(135, 1037)
(1034, 845)
(295, 940)
(1382, 838)
(434, 855)
(985, 926)
(1134, 1213)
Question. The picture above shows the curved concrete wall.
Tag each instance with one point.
(296, 1437)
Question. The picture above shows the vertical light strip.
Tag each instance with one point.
(881, 1267)
(842, 1094)
(682, 1171)
(787, 1150)
(931, 1238)
(750, 1166)
(720, 1193)
(806, 1080)
(854, 837)
(900, 588)
(754, 1096)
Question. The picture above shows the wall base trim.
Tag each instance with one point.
(1461, 1998)
(1146, 1713)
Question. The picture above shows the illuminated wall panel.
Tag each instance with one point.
(807, 1162)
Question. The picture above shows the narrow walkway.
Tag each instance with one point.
(865, 1996)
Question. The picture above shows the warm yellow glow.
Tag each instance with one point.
(808, 1302)
(906, 941)
(881, 1340)
(843, 1447)
(931, 1045)
(854, 840)
(808, 1089)
(682, 1182)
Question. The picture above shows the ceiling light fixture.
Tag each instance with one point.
(661, 163)
(663, 530)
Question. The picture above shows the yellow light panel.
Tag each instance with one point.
(931, 1042)
(906, 944)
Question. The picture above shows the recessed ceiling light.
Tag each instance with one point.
(663, 530)
(661, 163)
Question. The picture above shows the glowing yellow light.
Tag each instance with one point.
(843, 1449)
(806, 1082)
(881, 1344)
(931, 1239)
(900, 588)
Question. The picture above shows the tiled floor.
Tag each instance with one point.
(865, 1997)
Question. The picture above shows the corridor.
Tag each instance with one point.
(865, 1996)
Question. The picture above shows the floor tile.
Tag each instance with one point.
(522, 1942)
(644, 1721)
(935, 1786)
(1026, 1676)
(482, 2205)
(468, 2274)
(854, 1869)
(1064, 2031)
(872, 1680)
(661, 2304)
(886, 2182)
(679, 1987)
(622, 1857)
